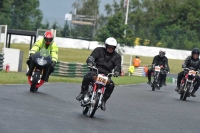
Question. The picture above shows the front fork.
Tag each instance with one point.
(156, 80)
(33, 72)
(96, 92)
(191, 86)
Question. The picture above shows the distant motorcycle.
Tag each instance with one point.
(93, 98)
(187, 83)
(157, 83)
(41, 59)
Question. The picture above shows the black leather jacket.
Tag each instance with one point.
(157, 60)
(105, 61)
(190, 62)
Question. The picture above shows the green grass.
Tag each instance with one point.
(129, 80)
(64, 54)
(80, 55)
(20, 78)
(175, 65)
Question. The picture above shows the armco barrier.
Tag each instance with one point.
(69, 69)
(1, 61)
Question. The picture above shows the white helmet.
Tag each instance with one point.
(111, 41)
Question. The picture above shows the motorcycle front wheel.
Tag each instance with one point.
(93, 106)
(85, 110)
(36, 77)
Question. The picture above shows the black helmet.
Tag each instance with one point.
(162, 53)
(195, 51)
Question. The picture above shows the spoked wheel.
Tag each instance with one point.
(36, 77)
(186, 93)
(93, 106)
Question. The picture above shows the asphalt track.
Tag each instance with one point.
(172, 75)
(131, 109)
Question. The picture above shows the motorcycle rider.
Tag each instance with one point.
(48, 43)
(160, 59)
(105, 59)
(194, 62)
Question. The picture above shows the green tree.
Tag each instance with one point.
(65, 31)
(21, 14)
(26, 14)
(5, 12)
(115, 28)
(46, 25)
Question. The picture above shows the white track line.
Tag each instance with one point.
(131, 84)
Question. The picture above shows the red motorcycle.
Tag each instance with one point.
(93, 98)
(187, 83)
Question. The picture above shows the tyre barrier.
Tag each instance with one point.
(1, 61)
(70, 69)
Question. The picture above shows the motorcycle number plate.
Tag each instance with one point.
(157, 68)
(102, 79)
(192, 72)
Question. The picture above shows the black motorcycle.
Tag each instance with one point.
(157, 82)
(41, 61)
(93, 98)
(187, 83)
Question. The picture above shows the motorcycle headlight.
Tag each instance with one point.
(41, 61)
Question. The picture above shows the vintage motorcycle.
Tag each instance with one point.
(187, 83)
(41, 61)
(93, 98)
(157, 83)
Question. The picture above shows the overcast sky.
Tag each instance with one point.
(56, 9)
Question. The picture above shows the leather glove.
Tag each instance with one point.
(53, 64)
(90, 64)
(165, 71)
(30, 57)
(116, 74)
(183, 66)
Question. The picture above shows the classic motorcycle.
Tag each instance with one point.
(187, 83)
(157, 83)
(93, 98)
(41, 60)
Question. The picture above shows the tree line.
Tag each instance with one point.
(163, 23)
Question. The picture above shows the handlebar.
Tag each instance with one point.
(93, 67)
(191, 68)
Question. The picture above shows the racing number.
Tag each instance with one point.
(102, 80)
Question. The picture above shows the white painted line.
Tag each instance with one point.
(131, 84)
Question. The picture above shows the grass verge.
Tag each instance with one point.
(80, 55)
(20, 78)
(174, 64)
